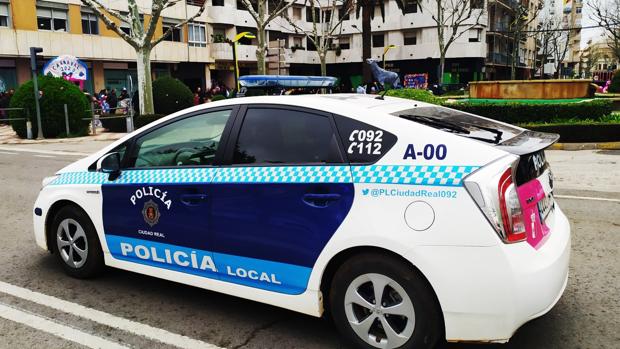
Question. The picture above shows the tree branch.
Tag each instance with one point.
(101, 11)
(168, 32)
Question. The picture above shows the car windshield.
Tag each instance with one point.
(461, 123)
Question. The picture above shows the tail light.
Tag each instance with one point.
(494, 191)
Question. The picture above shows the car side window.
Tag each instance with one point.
(280, 136)
(192, 141)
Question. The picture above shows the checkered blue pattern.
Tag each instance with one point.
(450, 176)
(81, 178)
(383, 174)
(284, 174)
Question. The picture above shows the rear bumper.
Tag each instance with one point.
(487, 293)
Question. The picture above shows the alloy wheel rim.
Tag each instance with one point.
(379, 311)
(72, 243)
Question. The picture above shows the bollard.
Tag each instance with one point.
(28, 125)
(92, 114)
(29, 129)
(66, 120)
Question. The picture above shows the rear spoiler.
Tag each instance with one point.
(529, 142)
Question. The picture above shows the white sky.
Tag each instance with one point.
(587, 34)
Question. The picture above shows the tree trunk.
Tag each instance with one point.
(366, 44)
(442, 67)
(323, 59)
(515, 59)
(145, 81)
(261, 51)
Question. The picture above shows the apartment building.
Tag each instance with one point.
(198, 52)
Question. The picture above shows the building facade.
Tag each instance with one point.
(198, 52)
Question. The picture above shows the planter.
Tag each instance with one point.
(531, 89)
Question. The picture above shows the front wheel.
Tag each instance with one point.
(76, 244)
(380, 302)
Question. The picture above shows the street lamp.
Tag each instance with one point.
(33, 66)
(234, 47)
(385, 50)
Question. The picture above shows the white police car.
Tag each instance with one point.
(407, 222)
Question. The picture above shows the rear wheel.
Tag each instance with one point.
(380, 302)
(76, 244)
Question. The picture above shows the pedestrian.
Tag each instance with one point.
(124, 95)
(112, 101)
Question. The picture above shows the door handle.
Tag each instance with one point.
(193, 199)
(320, 200)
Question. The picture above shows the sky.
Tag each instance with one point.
(587, 34)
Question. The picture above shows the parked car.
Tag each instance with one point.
(407, 222)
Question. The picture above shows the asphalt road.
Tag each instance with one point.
(587, 316)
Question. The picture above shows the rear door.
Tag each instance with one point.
(156, 213)
(282, 194)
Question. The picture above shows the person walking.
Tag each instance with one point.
(113, 101)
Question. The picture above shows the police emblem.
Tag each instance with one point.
(151, 213)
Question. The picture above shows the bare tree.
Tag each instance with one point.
(453, 18)
(263, 16)
(141, 37)
(607, 15)
(524, 17)
(548, 30)
(560, 44)
(325, 26)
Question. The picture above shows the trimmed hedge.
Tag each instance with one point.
(515, 113)
(56, 93)
(614, 87)
(120, 124)
(218, 98)
(415, 94)
(171, 95)
(582, 133)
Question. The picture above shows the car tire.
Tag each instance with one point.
(76, 244)
(408, 305)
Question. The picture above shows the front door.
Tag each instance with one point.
(282, 195)
(157, 212)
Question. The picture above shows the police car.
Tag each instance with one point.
(408, 223)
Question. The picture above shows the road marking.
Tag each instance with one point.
(104, 318)
(586, 198)
(56, 329)
(7, 153)
(45, 156)
(41, 151)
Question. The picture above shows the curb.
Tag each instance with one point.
(586, 146)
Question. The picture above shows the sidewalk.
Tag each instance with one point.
(8, 136)
(77, 145)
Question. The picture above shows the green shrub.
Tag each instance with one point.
(56, 93)
(614, 87)
(415, 94)
(171, 95)
(518, 113)
(120, 124)
(218, 98)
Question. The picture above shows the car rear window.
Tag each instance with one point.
(461, 123)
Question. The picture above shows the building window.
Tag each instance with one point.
(197, 34)
(475, 35)
(411, 6)
(343, 14)
(4, 15)
(217, 2)
(52, 19)
(317, 14)
(297, 13)
(378, 40)
(297, 43)
(411, 38)
(344, 43)
(176, 33)
(90, 24)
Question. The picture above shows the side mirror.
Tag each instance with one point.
(111, 164)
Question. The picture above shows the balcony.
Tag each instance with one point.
(499, 58)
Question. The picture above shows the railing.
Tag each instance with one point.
(499, 58)
(8, 120)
